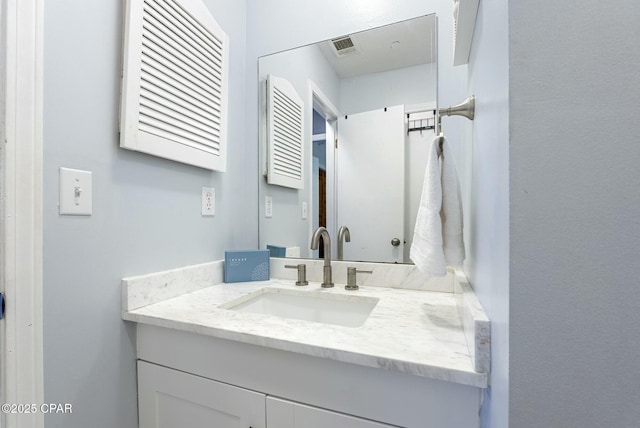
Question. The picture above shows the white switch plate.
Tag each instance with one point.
(304, 208)
(268, 206)
(75, 192)
(208, 201)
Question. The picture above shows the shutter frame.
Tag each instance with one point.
(158, 119)
(285, 134)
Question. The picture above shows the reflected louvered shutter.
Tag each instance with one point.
(285, 131)
(175, 80)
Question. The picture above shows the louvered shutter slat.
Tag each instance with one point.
(180, 35)
(178, 63)
(153, 76)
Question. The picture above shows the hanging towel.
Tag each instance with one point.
(426, 248)
(437, 238)
(451, 213)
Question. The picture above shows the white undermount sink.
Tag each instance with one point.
(337, 309)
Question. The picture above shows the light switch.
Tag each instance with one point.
(75, 192)
(304, 210)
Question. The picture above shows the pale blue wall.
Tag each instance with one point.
(146, 210)
(575, 204)
(487, 240)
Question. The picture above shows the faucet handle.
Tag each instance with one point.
(351, 278)
(302, 273)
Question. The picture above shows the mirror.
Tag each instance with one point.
(367, 117)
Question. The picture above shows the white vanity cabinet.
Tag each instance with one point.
(192, 380)
(170, 398)
(410, 365)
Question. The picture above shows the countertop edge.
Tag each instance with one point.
(474, 379)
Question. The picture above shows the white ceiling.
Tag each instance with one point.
(403, 44)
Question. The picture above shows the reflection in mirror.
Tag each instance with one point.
(368, 102)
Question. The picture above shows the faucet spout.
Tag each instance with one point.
(343, 235)
(323, 233)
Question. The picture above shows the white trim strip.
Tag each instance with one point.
(21, 280)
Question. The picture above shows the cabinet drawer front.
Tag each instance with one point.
(172, 399)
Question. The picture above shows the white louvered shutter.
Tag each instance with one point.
(285, 134)
(175, 82)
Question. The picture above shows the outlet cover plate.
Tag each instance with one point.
(208, 201)
(75, 196)
(268, 206)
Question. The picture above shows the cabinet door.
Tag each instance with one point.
(286, 414)
(172, 399)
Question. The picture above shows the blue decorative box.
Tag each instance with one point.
(246, 265)
(277, 251)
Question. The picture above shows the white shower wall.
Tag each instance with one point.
(409, 85)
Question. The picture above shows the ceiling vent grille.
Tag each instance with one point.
(343, 46)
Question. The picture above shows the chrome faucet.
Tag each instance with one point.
(323, 233)
(343, 235)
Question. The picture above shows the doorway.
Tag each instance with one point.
(319, 187)
(322, 186)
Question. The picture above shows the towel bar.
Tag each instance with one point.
(467, 108)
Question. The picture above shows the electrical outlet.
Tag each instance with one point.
(208, 201)
(268, 206)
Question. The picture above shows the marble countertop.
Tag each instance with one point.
(411, 331)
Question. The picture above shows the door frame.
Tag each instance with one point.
(323, 105)
(21, 332)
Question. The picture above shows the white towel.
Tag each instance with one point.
(437, 238)
(451, 213)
